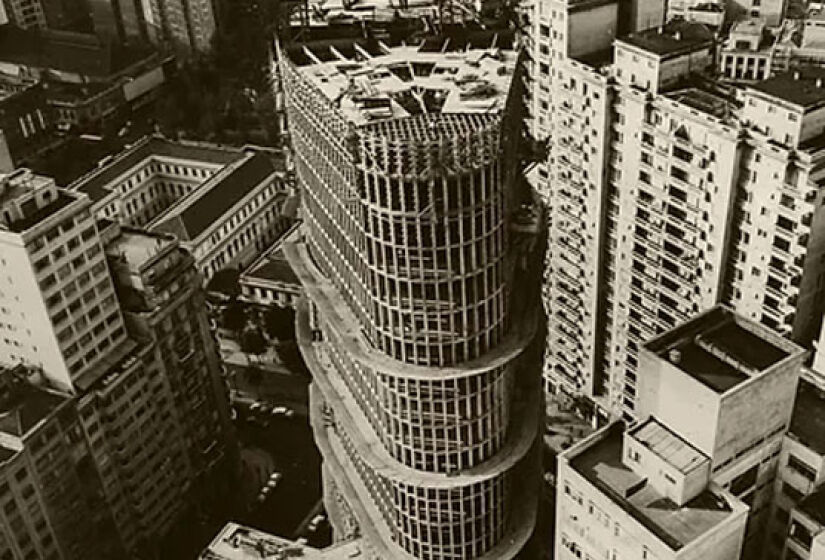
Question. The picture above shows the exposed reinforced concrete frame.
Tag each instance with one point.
(417, 259)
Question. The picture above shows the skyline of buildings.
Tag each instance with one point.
(655, 175)
(647, 173)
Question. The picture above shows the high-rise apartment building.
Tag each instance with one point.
(417, 260)
(25, 14)
(59, 311)
(186, 24)
(132, 349)
(121, 20)
(47, 490)
(668, 194)
(716, 397)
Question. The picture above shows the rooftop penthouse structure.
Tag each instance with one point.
(237, 542)
(412, 251)
(716, 398)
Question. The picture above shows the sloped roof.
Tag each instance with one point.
(192, 215)
(97, 183)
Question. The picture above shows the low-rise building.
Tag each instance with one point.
(238, 542)
(231, 218)
(85, 79)
(26, 126)
(223, 204)
(715, 400)
(643, 493)
(747, 53)
(709, 12)
(270, 280)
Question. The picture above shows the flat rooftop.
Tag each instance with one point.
(753, 26)
(371, 81)
(803, 86)
(808, 420)
(706, 100)
(63, 199)
(139, 246)
(600, 463)
(668, 445)
(238, 542)
(813, 505)
(676, 38)
(721, 349)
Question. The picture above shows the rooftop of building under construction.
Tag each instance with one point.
(461, 69)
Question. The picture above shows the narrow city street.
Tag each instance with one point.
(284, 446)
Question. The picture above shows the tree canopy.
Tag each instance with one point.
(280, 323)
(225, 95)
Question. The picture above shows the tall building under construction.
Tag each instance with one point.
(419, 259)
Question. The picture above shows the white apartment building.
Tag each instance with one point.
(57, 301)
(643, 493)
(726, 385)
(668, 194)
(684, 482)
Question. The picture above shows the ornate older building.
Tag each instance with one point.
(417, 257)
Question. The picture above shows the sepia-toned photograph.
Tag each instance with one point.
(412, 280)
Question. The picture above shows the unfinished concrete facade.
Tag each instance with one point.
(413, 247)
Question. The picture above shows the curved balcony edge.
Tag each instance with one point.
(520, 527)
(524, 425)
(324, 295)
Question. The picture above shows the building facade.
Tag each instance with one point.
(424, 403)
(656, 178)
(27, 125)
(716, 397)
(128, 340)
(224, 205)
(46, 486)
(186, 24)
